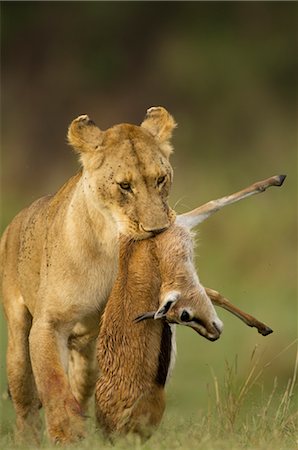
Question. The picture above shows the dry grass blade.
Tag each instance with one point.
(284, 406)
(229, 398)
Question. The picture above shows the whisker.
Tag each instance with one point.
(178, 202)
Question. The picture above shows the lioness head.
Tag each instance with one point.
(126, 169)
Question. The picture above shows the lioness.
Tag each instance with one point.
(59, 260)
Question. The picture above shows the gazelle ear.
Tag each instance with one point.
(170, 299)
(83, 135)
(160, 124)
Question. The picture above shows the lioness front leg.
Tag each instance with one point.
(19, 371)
(48, 351)
(83, 373)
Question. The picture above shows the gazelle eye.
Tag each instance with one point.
(125, 186)
(160, 180)
(185, 317)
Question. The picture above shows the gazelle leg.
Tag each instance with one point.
(198, 215)
(218, 300)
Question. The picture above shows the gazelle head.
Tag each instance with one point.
(196, 312)
(183, 300)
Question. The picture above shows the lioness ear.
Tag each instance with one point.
(84, 135)
(160, 124)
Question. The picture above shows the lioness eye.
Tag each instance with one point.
(160, 180)
(125, 186)
(185, 317)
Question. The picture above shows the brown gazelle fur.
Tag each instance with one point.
(134, 358)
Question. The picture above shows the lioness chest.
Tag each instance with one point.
(65, 268)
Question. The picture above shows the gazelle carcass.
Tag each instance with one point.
(157, 276)
(134, 359)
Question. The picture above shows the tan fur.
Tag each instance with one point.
(130, 390)
(58, 261)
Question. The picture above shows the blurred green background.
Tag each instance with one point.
(228, 74)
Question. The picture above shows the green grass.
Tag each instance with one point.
(238, 413)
